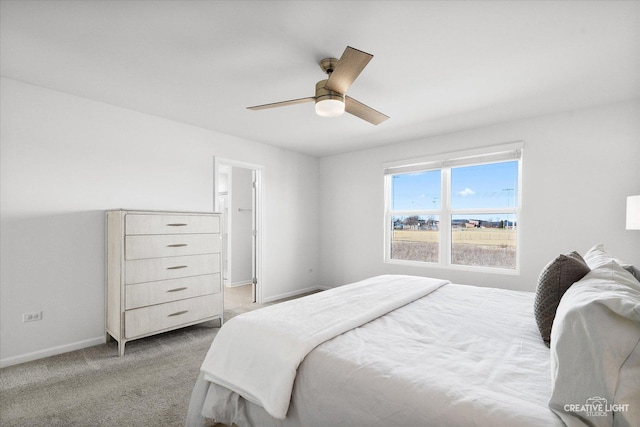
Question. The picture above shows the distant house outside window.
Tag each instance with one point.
(458, 210)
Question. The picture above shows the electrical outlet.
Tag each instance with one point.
(31, 317)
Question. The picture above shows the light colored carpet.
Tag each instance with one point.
(150, 386)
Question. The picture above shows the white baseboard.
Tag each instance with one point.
(294, 293)
(234, 284)
(41, 354)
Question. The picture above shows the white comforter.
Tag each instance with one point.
(257, 354)
(461, 356)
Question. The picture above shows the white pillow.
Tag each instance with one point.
(597, 256)
(595, 347)
(630, 268)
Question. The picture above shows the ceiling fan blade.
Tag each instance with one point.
(364, 112)
(283, 103)
(348, 68)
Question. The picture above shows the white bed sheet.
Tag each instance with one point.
(461, 356)
(268, 345)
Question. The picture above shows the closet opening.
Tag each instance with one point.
(237, 195)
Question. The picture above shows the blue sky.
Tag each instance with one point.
(483, 186)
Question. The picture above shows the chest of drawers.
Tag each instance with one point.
(163, 272)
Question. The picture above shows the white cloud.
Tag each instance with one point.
(466, 192)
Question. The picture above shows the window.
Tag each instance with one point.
(457, 210)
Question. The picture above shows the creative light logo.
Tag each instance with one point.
(596, 407)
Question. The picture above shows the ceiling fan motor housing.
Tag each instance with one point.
(322, 93)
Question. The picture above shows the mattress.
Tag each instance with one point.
(460, 356)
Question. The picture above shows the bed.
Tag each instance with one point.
(409, 351)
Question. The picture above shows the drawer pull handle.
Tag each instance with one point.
(178, 313)
(177, 245)
(177, 289)
(177, 224)
(177, 267)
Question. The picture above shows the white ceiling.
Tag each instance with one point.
(437, 66)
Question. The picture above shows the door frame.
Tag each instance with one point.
(257, 214)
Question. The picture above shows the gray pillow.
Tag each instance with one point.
(554, 280)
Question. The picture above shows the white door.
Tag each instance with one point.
(241, 227)
(254, 233)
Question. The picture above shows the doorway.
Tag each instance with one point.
(237, 195)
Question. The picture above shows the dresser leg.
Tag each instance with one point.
(121, 348)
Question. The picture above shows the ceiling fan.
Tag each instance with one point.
(330, 96)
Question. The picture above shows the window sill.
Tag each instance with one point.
(469, 268)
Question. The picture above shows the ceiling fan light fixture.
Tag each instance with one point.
(328, 102)
(329, 107)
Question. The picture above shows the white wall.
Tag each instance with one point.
(578, 169)
(65, 159)
(241, 226)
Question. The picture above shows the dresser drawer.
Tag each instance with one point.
(171, 224)
(143, 321)
(153, 269)
(168, 245)
(151, 293)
